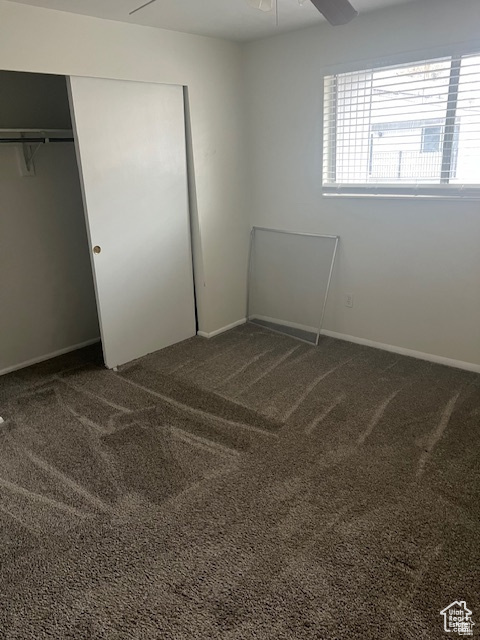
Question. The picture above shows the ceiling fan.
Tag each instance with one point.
(337, 12)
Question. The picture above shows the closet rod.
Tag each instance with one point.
(45, 140)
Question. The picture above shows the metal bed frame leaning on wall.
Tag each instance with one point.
(253, 232)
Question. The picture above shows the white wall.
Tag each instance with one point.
(45, 41)
(413, 267)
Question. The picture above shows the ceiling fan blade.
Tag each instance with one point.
(142, 6)
(337, 12)
(263, 5)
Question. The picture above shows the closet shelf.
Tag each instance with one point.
(35, 136)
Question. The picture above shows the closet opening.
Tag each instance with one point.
(47, 295)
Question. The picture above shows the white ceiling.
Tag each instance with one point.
(231, 19)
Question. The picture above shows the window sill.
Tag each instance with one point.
(470, 194)
(371, 196)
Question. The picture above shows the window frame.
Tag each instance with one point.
(443, 189)
(427, 137)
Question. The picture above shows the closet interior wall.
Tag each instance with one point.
(47, 297)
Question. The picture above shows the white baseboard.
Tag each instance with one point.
(430, 357)
(222, 330)
(286, 323)
(420, 355)
(48, 356)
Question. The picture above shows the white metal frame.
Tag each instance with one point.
(293, 233)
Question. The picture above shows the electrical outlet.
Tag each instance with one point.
(349, 300)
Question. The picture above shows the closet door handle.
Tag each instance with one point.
(97, 249)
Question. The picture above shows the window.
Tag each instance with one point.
(404, 130)
(432, 139)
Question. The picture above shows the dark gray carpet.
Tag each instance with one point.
(245, 487)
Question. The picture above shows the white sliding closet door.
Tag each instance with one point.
(130, 140)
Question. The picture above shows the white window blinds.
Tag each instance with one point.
(404, 130)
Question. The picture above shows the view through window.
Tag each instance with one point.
(404, 129)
